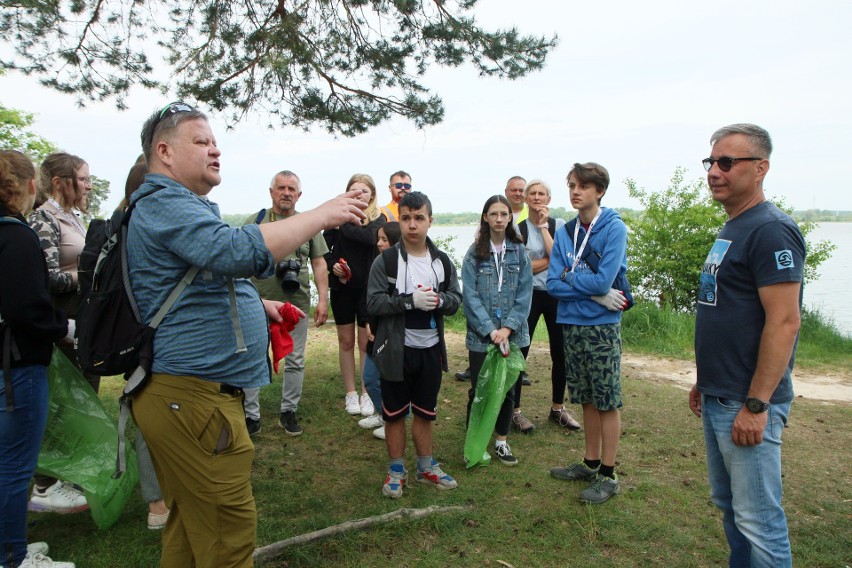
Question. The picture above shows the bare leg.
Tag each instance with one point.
(610, 421)
(157, 507)
(421, 431)
(362, 353)
(346, 355)
(592, 423)
(395, 438)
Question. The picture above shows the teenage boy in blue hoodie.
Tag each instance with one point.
(590, 314)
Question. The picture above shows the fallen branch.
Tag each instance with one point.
(269, 552)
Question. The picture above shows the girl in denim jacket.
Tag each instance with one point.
(497, 292)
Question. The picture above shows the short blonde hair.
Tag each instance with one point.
(534, 182)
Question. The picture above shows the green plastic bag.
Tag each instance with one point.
(80, 443)
(497, 376)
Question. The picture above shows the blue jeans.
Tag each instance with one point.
(370, 378)
(745, 483)
(21, 432)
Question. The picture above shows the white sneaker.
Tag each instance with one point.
(379, 433)
(371, 422)
(38, 548)
(367, 408)
(42, 561)
(60, 497)
(353, 407)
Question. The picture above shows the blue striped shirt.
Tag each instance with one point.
(172, 230)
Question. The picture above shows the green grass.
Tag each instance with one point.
(520, 515)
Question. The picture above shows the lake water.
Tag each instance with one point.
(827, 294)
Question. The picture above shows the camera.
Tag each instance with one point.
(288, 272)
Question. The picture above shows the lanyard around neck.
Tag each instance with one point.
(70, 217)
(579, 254)
(499, 252)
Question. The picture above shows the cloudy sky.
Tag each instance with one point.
(636, 86)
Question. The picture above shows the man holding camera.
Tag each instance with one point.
(291, 283)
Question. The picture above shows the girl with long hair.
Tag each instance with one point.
(352, 248)
(31, 323)
(64, 184)
(497, 291)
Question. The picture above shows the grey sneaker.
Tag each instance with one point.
(564, 419)
(521, 423)
(574, 472)
(601, 489)
(288, 422)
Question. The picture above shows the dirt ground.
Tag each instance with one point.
(830, 387)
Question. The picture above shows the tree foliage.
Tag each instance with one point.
(670, 240)
(346, 65)
(16, 134)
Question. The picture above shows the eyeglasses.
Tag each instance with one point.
(84, 180)
(405, 186)
(725, 163)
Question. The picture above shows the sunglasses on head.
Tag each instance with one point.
(169, 109)
(174, 108)
(405, 186)
(725, 163)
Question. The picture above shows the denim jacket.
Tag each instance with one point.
(482, 303)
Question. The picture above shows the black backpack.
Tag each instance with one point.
(111, 337)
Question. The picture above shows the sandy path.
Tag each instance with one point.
(832, 386)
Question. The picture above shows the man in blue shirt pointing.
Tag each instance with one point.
(213, 342)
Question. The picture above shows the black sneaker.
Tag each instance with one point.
(525, 380)
(253, 426)
(288, 422)
(504, 454)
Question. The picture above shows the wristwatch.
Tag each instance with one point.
(756, 405)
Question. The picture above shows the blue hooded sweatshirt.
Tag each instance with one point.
(575, 289)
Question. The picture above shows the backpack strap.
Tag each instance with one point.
(139, 375)
(525, 232)
(391, 259)
(445, 261)
(260, 215)
(569, 227)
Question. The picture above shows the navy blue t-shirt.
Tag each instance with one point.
(760, 247)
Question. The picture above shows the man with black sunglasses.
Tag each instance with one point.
(746, 327)
(213, 343)
(400, 184)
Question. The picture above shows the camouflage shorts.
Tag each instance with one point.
(593, 364)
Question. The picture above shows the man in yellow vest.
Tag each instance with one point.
(400, 184)
(515, 194)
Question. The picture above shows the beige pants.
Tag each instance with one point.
(202, 454)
